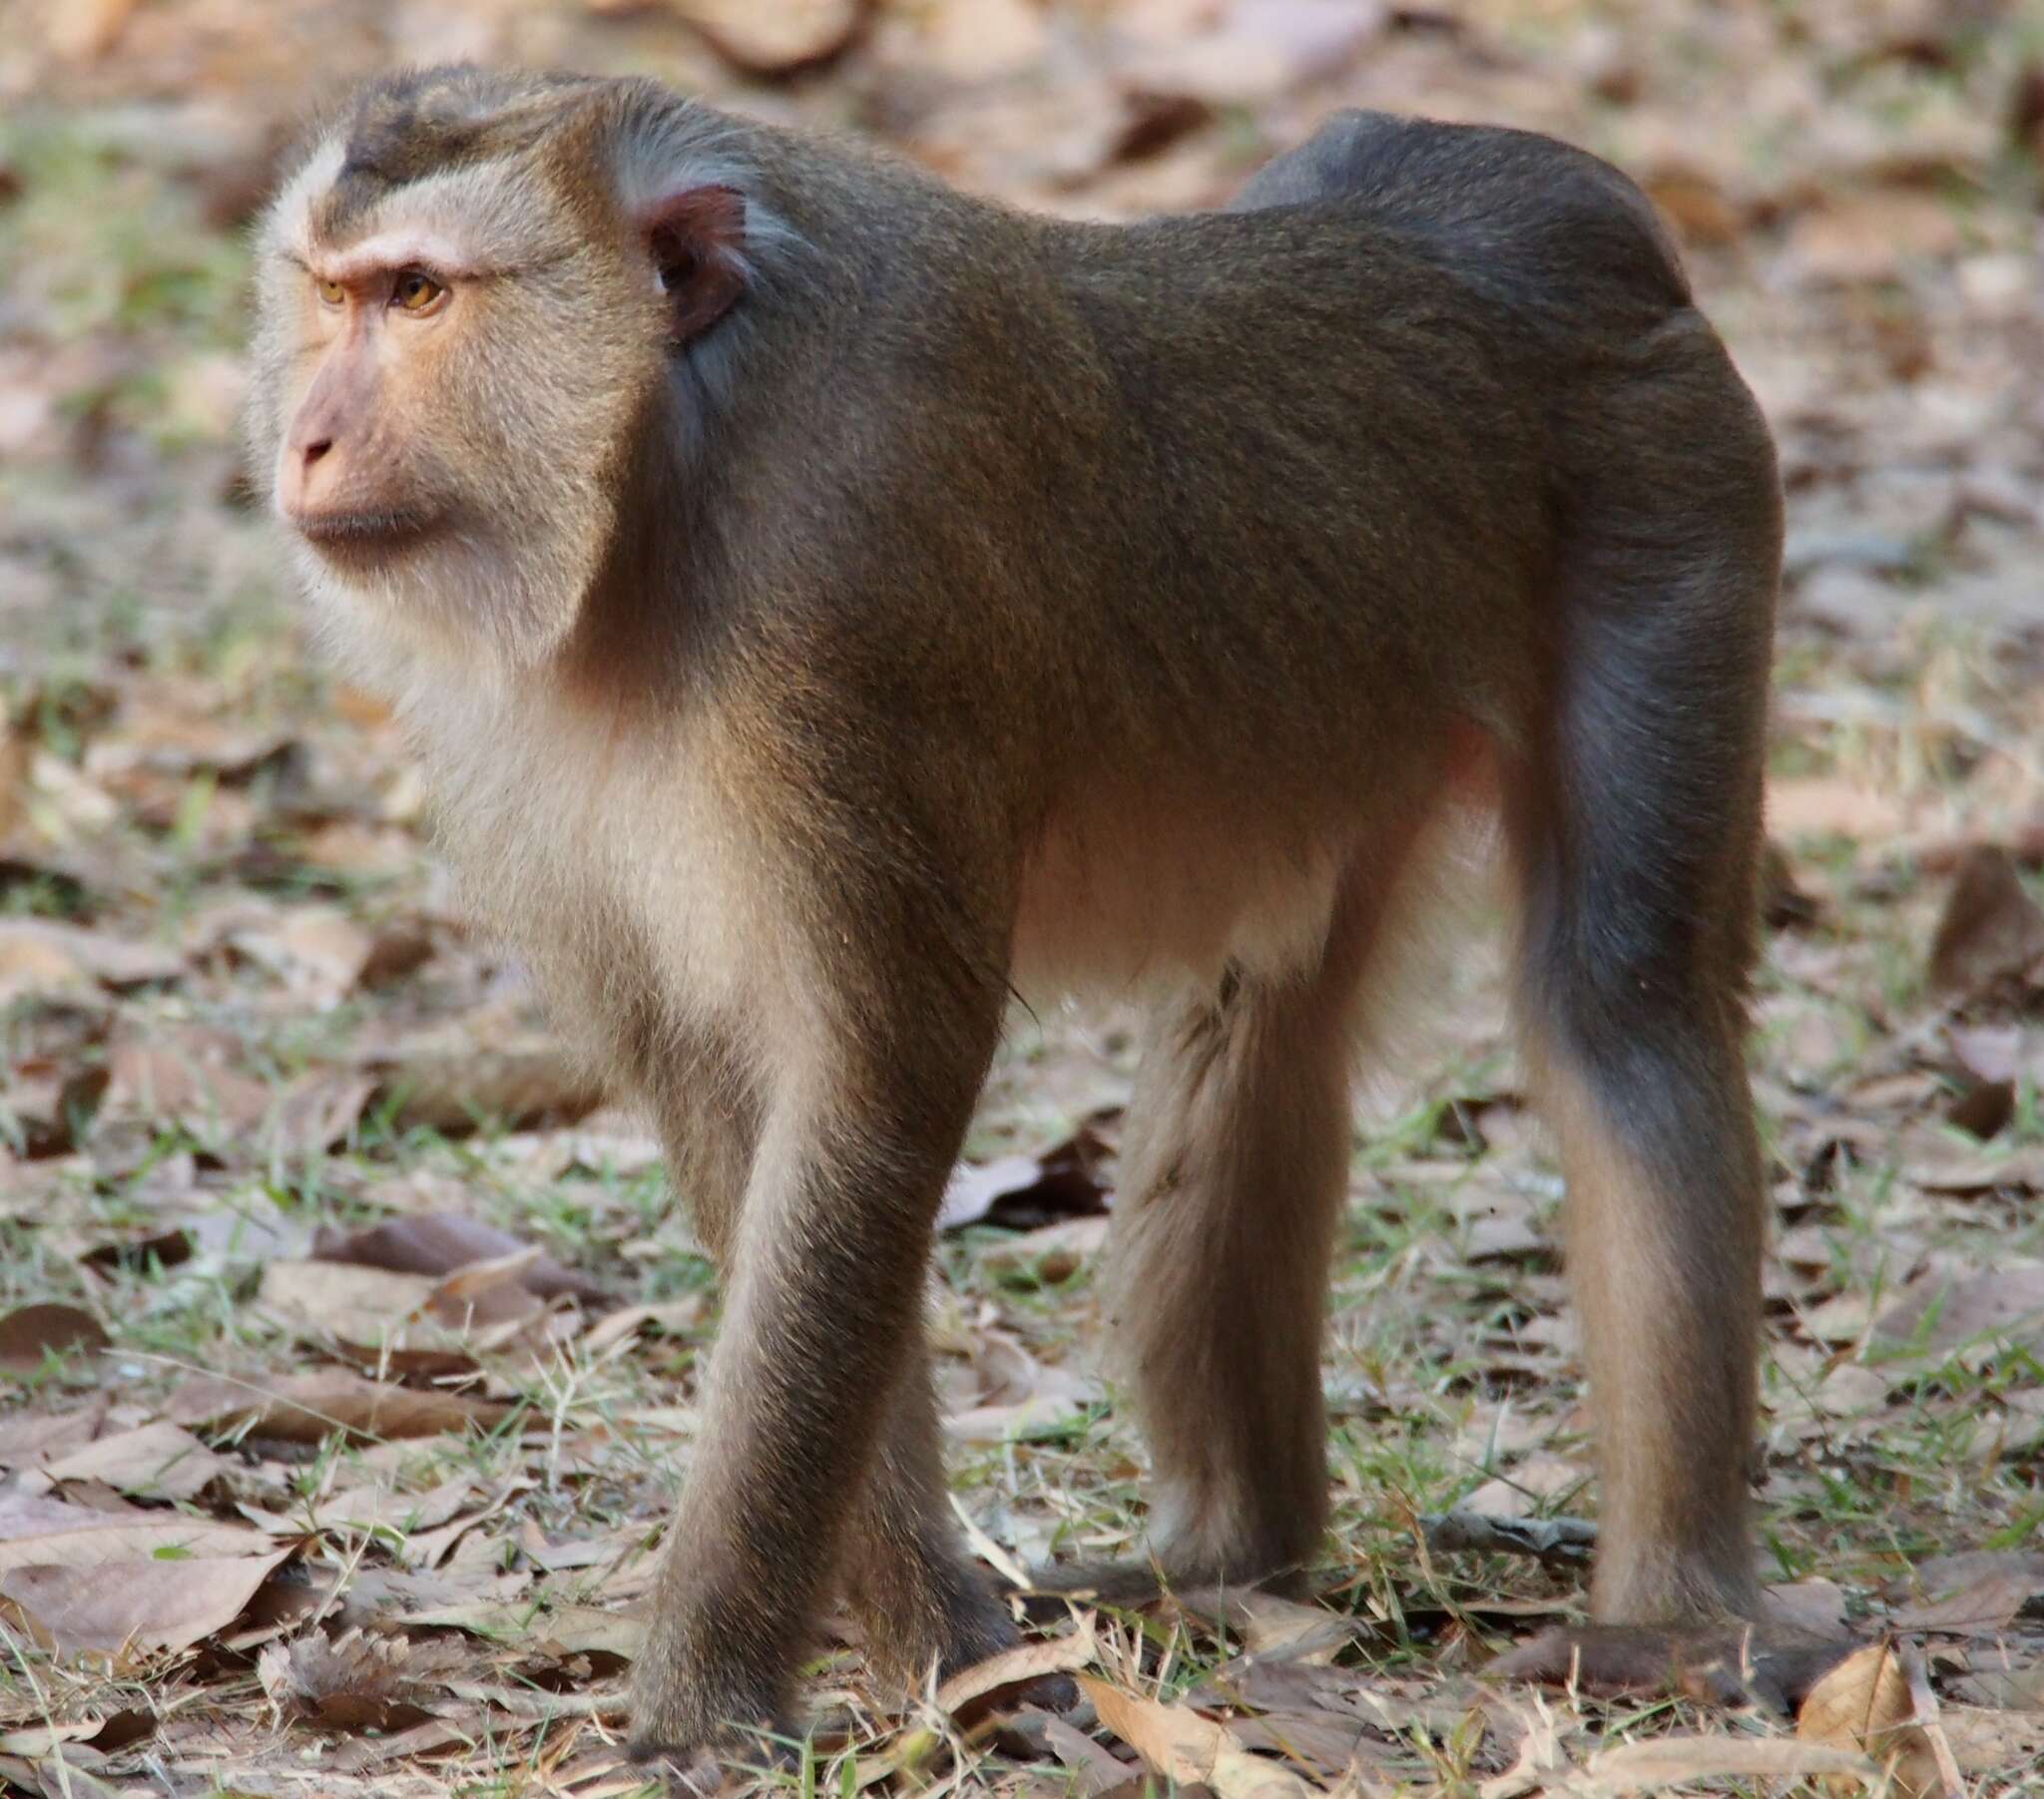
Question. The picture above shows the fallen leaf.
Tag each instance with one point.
(33, 949)
(1937, 1313)
(317, 1110)
(1184, 1746)
(30, 1333)
(31, 1436)
(789, 37)
(1047, 1256)
(449, 1081)
(35, 1530)
(1025, 1191)
(1865, 1705)
(332, 1300)
(1825, 806)
(354, 1681)
(318, 952)
(1990, 926)
(1870, 236)
(184, 1080)
(1644, 1767)
(150, 1605)
(443, 1242)
(561, 1629)
(1994, 1741)
(1024, 1662)
(308, 1407)
(1815, 1605)
(1095, 1771)
(1272, 1628)
(158, 1461)
(1985, 1605)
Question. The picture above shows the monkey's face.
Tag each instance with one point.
(461, 316)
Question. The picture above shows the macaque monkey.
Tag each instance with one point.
(827, 603)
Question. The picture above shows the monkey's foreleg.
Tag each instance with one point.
(825, 1290)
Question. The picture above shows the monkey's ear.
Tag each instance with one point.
(697, 239)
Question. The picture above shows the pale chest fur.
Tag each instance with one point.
(605, 855)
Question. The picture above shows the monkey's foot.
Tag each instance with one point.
(1732, 1665)
(733, 1762)
(1132, 1584)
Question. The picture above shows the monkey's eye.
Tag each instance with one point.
(331, 293)
(415, 292)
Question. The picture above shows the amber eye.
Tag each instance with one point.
(331, 292)
(415, 292)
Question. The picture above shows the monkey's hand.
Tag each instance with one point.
(1769, 1668)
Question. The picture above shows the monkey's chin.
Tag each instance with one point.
(368, 542)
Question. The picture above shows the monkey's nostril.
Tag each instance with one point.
(314, 451)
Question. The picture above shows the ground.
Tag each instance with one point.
(350, 1339)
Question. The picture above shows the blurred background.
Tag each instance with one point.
(244, 1025)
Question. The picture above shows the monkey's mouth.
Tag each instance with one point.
(366, 535)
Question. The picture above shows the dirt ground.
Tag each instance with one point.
(347, 1337)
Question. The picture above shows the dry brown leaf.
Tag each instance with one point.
(1182, 1745)
(1827, 806)
(354, 1681)
(159, 1460)
(1990, 927)
(317, 952)
(1024, 1191)
(1871, 236)
(2008, 1584)
(307, 1408)
(444, 1242)
(558, 1628)
(1646, 1766)
(449, 1078)
(1865, 1705)
(1815, 1605)
(38, 1530)
(317, 1110)
(677, 1318)
(1025, 1661)
(151, 1604)
(1270, 1628)
(376, 1507)
(334, 1300)
(184, 1080)
(33, 1437)
(789, 37)
(1094, 1770)
(1994, 1741)
(28, 1333)
(28, 945)
(1938, 1312)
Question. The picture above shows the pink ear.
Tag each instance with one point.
(696, 238)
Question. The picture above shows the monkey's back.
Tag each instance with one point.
(1241, 500)
(1399, 376)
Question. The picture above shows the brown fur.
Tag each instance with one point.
(819, 630)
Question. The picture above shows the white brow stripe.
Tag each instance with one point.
(394, 249)
(289, 228)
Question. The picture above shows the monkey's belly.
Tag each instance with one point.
(1115, 903)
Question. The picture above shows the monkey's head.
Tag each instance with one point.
(473, 290)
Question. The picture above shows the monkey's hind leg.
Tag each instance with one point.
(1634, 830)
(1232, 1176)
